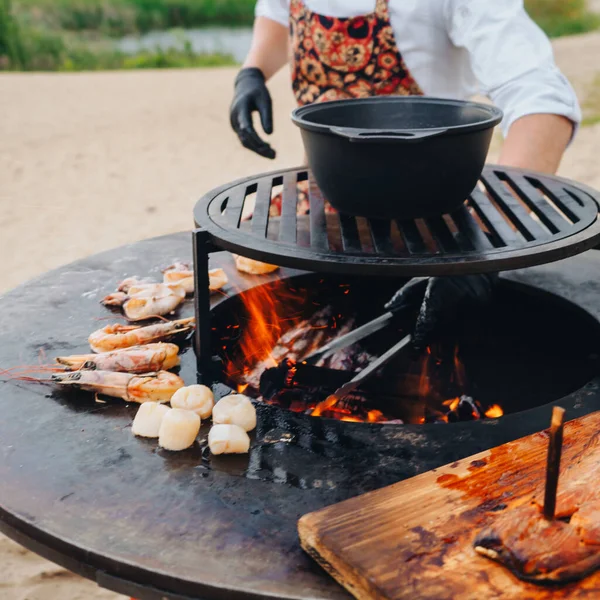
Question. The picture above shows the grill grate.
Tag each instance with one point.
(512, 219)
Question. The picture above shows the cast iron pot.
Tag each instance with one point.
(396, 156)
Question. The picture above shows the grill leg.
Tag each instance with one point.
(201, 249)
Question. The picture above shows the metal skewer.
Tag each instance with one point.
(553, 464)
(360, 377)
(350, 338)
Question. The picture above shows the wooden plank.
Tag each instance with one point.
(289, 206)
(521, 219)
(414, 540)
(260, 216)
(318, 224)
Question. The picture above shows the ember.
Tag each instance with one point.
(277, 333)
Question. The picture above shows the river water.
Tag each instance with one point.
(224, 40)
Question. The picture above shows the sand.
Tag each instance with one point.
(93, 161)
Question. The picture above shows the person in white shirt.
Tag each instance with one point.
(443, 48)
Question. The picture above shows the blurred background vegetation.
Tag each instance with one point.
(54, 35)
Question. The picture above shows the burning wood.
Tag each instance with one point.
(274, 345)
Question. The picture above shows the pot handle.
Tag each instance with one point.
(382, 135)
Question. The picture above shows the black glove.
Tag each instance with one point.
(250, 95)
(440, 301)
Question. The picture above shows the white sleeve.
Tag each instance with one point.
(276, 10)
(512, 59)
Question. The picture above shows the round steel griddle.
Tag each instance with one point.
(513, 219)
(78, 488)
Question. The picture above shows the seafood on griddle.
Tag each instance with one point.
(566, 548)
(197, 398)
(235, 409)
(150, 387)
(114, 337)
(147, 300)
(228, 439)
(148, 418)
(136, 359)
(178, 429)
(182, 274)
(253, 267)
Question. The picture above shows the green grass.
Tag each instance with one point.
(29, 46)
(119, 17)
(46, 52)
(562, 17)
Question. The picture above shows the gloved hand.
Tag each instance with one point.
(250, 95)
(440, 301)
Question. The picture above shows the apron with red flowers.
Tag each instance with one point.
(354, 57)
(336, 58)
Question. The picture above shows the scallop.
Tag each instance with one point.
(228, 439)
(148, 419)
(197, 398)
(235, 409)
(178, 429)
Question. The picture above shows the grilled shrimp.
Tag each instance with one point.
(152, 300)
(115, 337)
(182, 274)
(137, 359)
(151, 387)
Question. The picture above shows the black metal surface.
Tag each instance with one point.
(78, 488)
(396, 156)
(513, 219)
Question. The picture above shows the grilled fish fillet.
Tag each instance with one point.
(558, 551)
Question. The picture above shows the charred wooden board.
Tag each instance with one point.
(414, 539)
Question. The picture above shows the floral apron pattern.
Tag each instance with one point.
(337, 58)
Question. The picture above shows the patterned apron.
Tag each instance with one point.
(354, 57)
(337, 58)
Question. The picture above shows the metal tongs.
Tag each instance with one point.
(347, 340)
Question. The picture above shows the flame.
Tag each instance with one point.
(327, 404)
(268, 309)
(373, 416)
(276, 327)
(494, 411)
(452, 404)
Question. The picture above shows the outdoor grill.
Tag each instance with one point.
(183, 526)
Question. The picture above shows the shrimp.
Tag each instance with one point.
(181, 274)
(217, 279)
(152, 300)
(115, 337)
(131, 281)
(137, 359)
(151, 387)
(253, 267)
